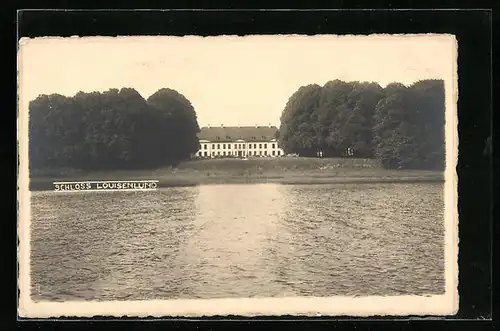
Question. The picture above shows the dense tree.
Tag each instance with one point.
(297, 135)
(402, 126)
(331, 116)
(409, 126)
(330, 119)
(111, 129)
(50, 125)
(177, 124)
(346, 117)
(428, 105)
(391, 130)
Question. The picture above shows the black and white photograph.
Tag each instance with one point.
(238, 175)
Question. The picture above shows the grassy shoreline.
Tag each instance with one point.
(226, 171)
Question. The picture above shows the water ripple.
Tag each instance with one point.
(239, 240)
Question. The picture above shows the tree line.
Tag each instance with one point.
(402, 126)
(111, 130)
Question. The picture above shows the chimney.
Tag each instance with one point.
(222, 125)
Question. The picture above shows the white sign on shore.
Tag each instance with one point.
(107, 185)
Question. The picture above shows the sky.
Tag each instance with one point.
(229, 80)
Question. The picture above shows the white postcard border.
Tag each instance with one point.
(446, 304)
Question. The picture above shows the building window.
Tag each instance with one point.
(218, 146)
(213, 153)
(260, 152)
(254, 145)
(274, 145)
(265, 152)
(218, 153)
(265, 145)
(279, 153)
(205, 153)
(224, 153)
(224, 146)
(249, 146)
(218, 138)
(273, 153)
(260, 145)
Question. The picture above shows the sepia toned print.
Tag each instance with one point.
(191, 176)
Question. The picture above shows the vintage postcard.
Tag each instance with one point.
(250, 176)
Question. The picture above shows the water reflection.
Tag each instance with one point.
(238, 241)
(235, 231)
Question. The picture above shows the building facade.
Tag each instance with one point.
(238, 141)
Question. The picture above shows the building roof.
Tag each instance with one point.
(233, 133)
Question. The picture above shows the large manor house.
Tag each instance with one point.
(238, 141)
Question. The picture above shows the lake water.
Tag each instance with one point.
(261, 240)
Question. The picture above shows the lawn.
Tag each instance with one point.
(286, 170)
